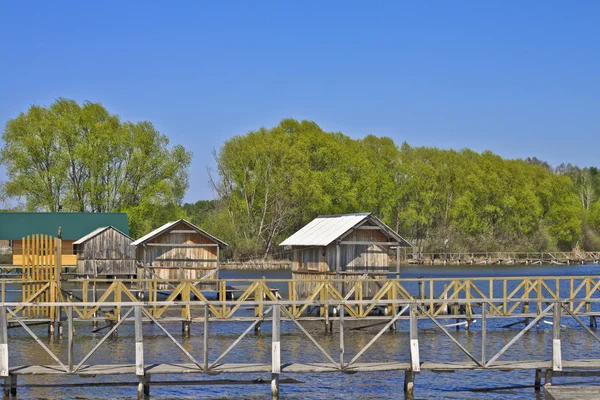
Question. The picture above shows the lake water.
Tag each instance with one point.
(434, 346)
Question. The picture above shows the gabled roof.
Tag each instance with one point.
(167, 227)
(325, 229)
(96, 232)
(16, 225)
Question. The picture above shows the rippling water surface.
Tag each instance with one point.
(434, 346)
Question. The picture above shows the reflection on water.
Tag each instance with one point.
(435, 346)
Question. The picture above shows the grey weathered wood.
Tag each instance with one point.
(162, 328)
(70, 338)
(572, 392)
(518, 336)
(231, 347)
(139, 342)
(537, 384)
(175, 256)
(456, 342)
(338, 257)
(182, 245)
(113, 329)
(398, 262)
(556, 346)
(353, 242)
(107, 253)
(409, 383)
(205, 338)
(4, 371)
(415, 361)
(483, 332)
(374, 339)
(310, 337)
(342, 347)
(275, 351)
(580, 322)
(38, 341)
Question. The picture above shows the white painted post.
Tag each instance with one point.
(10, 381)
(3, 342)
(556, 347)
(144, 381)
(414, 340)
(275, 352)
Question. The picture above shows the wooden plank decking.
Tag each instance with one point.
(572, 392)
(246, 368)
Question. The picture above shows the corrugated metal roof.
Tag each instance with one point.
(168, 226)
(97, 232)
(16, 225)
(324, 229)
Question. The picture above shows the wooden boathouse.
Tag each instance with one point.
(342, 246)
(106, 252)
(16, 225)
(178, 250)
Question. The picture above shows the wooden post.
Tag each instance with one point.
(57, 279)
(218, 264)
(275, 352)
(70, 337)
(538, 380)
(4, 371)
(10, 381)
(393, 308)
(398, 262)
(556, 348)
(144, 381)
(414, 340)
(409, 383)
(95, 300)
(205, 338)
(342, 348)
(338, 257)
(483, 331)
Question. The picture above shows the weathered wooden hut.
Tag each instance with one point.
(16, 225)
(106, 251)
(178, 250)
(342, 246)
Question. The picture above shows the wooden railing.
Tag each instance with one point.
(506, 296)
(276, 311)
(502, 257)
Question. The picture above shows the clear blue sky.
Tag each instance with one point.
(518, 78)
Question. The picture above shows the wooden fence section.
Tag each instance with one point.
(40, 273)
(506, 296)
(502, 257)
(205, 361)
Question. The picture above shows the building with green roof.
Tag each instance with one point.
(16, 225)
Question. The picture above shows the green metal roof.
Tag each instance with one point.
(16, 225)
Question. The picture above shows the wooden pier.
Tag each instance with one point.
(275, 313)
(502, 258)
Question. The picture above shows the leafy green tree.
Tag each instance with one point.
(82, 158)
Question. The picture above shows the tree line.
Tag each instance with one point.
(272, 181)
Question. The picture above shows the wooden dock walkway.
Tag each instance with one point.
(567, 392)
(502, 258)
(273, 312)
